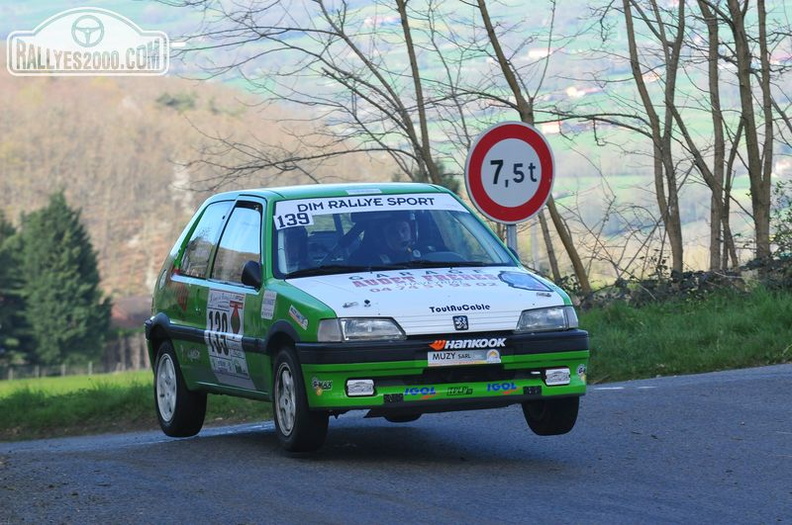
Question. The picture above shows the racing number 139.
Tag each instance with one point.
(293, 219)
(517, 170)
(218, 327)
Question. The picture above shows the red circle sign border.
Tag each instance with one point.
(475, 160)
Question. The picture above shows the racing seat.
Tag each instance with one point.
(295, 242)
(367, 252)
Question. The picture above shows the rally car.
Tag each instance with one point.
(392, 298)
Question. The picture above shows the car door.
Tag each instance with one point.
(185, 305)
(232, 308)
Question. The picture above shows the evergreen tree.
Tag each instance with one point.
(64, 308)
(11, 305)
(6, 274)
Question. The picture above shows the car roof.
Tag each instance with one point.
(332, 190)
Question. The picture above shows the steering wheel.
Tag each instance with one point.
(343, 243)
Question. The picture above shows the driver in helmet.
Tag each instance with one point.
(398, 241)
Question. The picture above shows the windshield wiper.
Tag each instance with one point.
(326, 269)
(330, 269)
(423, 263)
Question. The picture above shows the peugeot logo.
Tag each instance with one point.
(460, 322)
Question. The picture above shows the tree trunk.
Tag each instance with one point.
(666, 191)
(525, 110)
(551, 255)
(758, 170)
(566, 239)
(718, 221)
(424, 151)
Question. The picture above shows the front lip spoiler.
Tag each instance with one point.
(429, 407)
(416, 349)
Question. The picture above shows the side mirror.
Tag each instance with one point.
(251, 274)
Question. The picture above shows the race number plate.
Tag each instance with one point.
(464, 357)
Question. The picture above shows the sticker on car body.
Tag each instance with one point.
(298, 317)
(225, 326)
(463, 357)
(268, 304)
(301, 212)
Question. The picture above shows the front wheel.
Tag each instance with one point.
(180, 411)
(551, 417)
(299, 429)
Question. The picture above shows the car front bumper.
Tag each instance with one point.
(402, 380)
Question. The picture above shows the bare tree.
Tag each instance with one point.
(758, 137)
(623, 240)
(750, 136)
(695, 56)
(659, 64)
(722, 250)
(362, 73)
(338, 68)
(525, 108)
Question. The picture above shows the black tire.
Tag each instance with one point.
(551, 417)
(180, 411)
(402, 418)
(299, 429)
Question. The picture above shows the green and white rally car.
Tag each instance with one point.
(390, 298)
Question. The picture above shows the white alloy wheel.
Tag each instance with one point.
(180, 411)
(286, 401)
(166, 387)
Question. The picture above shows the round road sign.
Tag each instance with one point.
(509, 172)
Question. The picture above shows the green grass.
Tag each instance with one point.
(79, 405)
(63, 385)
(725, 331)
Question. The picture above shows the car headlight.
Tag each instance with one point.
(359, 329)
(546, 319)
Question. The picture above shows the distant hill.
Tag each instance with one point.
(118, 145)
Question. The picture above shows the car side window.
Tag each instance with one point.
(240, 243)
(195, 261)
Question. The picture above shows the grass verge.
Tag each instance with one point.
(724, 331)
(82, 405)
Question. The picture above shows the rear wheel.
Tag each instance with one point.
(180, 411)
(299, 429)
(551, 417)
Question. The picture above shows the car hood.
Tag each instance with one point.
(438, 300)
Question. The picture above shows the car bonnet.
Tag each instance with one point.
(438, 300)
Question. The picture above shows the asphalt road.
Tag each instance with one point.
(713, 448)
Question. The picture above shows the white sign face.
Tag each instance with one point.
(509, 172)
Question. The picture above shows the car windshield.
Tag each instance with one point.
(380, 232)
